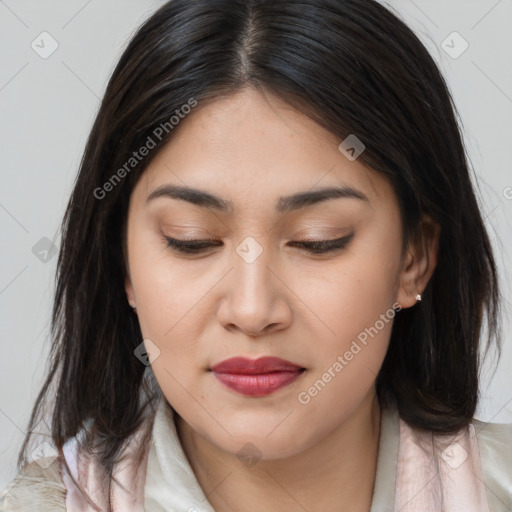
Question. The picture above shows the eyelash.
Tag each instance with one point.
(313, 246)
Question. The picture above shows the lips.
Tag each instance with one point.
(245, 366)
(256, 377)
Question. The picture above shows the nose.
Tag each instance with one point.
(255, 295)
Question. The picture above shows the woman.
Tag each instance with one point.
(273, 278)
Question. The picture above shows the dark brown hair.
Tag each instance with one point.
(355, 68)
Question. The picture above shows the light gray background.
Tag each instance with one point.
(47, 109)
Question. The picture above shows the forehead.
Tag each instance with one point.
(252, 148)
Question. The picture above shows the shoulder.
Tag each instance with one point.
(495, 447)
(38, 486)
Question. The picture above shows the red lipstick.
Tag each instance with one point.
(256, 377)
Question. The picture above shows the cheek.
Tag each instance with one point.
(354, 292)
(166, 296)
(357, 309)
(355, 301)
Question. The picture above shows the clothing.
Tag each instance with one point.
(417, 471)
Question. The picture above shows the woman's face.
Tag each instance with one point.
(255, 292)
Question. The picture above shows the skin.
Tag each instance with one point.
(251, 148)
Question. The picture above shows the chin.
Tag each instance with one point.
(257, 444)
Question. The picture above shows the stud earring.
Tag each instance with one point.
(418, 297)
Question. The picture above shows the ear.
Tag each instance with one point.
(419, 262)
(129, 291)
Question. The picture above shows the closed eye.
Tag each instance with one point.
(313, 246)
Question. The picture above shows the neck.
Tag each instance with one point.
(336, 473)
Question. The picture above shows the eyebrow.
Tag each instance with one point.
(284, 204)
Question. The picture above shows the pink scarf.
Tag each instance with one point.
(439, 475)
(87, 474)
(435, 473)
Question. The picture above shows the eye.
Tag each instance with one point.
(191, 246)
(313, 246)
(323, 246)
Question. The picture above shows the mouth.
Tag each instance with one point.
(256, 377)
